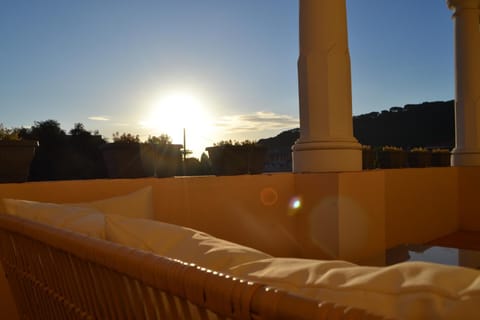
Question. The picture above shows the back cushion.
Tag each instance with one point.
(138, 204)
(88, 221)
(178, 242)
(87, 217)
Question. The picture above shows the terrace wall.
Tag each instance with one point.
(341, 214)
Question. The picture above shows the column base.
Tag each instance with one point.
(326, 156)
(465, 157)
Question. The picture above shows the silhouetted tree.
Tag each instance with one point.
(51, 140)
(430, 124)
(161, 139)
(79, 130)
(194, 167)
(48, 133)
(125, 138)
(61, 156)
(85, 158)
(205, 164)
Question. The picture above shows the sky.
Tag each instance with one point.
(221, 69)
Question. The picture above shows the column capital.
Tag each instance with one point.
(463, 4)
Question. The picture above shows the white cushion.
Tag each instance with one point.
(178, 242)
(88, 221)
(138, 204)
(87, 217)
(411, 290)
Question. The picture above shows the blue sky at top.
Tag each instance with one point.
(81, 61)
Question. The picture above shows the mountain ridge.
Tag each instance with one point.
(427, 124)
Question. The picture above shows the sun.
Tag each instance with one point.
(173, 112)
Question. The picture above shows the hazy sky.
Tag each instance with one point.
(220, 68)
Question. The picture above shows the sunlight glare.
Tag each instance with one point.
(173, 112)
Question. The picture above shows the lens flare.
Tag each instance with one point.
(268, 196)
(294, 205)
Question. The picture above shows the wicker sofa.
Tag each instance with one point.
(110, 259)
(59, 274)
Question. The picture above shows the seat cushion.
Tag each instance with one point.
(410, 290)
(178, 242)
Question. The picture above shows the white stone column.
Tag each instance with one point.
(326, 141)
(467, 87)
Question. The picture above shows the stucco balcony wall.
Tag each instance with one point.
(469, 198)
(421, 204)
(254, 210)
(348, 215)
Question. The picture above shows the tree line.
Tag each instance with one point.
(77, 154)
(429, 124)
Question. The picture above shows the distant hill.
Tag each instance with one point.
(282, 140)
(429, 124)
